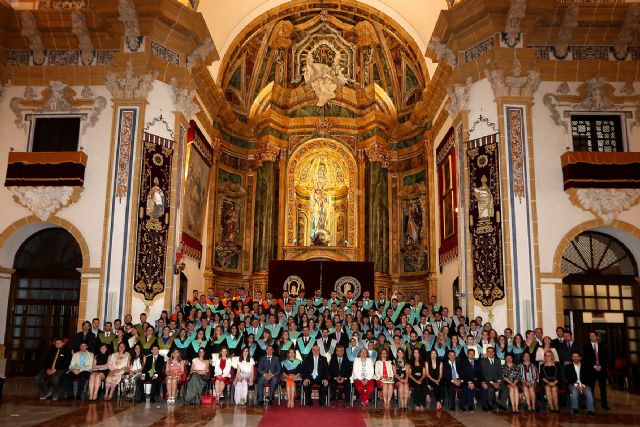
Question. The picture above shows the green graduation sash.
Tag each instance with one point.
(290, 365)
(305, 349)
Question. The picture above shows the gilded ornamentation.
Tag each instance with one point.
(324, 126)
(200, 53)
(606, 203)
(324, 79)
(29, 30)
(130, 86)
(567, 27)
(125, 149)
(267, 152)
(443, 53)
(185, 100)
(517, 11)
(44, 201)
(376, 152)
(515, 126)
(628, 31)
(129, 18)
(80, 30)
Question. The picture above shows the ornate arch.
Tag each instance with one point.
(585, 226)
(56, 221)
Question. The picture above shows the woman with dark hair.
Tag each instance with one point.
(135, 371)
(234, 339)
(175, 369)
(529, 375)
(200, 367)
(517, 348)
(511, 376)
(400, 372)
(118, 364)
(416, 377)
(434, 377)
(244, 376)
(100, 370)
(502, 348)
(182, 343)
(384, 376)
(222, 372)
(291, 372)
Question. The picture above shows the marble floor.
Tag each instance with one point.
(21, 407)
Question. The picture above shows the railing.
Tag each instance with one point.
(586, 169)
(52, 169)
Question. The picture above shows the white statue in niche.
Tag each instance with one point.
(320, 202)
(485, 199)
(324, 79)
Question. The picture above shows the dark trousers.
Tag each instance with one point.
(345, 388)
(82, 378)
(450, 399)
(601, 380)
(488, 396)
(307, 391)
(467, 396)
(273, 384)
(56, 380)
(155, 389)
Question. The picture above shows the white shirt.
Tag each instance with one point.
(577, 368)
(362, 370)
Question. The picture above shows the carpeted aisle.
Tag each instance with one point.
(315, 416)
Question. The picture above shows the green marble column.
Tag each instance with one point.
(377, 216)
(265, 219)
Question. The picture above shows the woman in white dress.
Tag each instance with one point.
(244, 377)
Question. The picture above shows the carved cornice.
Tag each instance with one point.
(29, 30)
(628, 31)
(130, 86)
(81, 31)
(517, 12)
(593, 95)
(568, 25)
(58, 97)
(605, 203)
(200, 54)
(45, 201)
(442, 52)
(514, 85)
(185, 100)
(129, 18)
(376, 152)
(459, 97)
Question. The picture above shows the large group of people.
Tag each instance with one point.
(352, 349)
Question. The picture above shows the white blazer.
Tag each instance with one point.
(362, 371)
(379, 369)
(224, 373)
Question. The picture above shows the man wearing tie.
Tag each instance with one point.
(269, 371)
(153, 371)
(327, 344)
(595, 358)
(491, 380)
(315, 371)
(451, 378)
(340, 369)
(471, 376)
(566, 348)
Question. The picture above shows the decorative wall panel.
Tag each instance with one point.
(447, 198)
(515, 132)
(485, 219)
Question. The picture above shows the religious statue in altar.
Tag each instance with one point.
(320, 203)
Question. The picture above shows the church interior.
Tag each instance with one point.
(472, 154)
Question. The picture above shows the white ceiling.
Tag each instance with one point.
(227, 18)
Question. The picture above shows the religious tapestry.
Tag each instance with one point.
(413, 216)
(200, 156)
(485, 219)
(153, 216)
(447, 198)
(231, 196)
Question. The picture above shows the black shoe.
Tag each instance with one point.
(69, 398)
(591, 413)
(606, 407)
(575, 412)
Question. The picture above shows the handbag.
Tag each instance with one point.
(206, 399)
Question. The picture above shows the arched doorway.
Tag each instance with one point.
(600, 293)
(44, 297)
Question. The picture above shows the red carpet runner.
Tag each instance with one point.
(277, 416)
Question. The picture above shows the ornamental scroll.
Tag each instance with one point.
(153, 216)
(484, 219)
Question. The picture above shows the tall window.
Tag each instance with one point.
(55, 134)
(596, 133)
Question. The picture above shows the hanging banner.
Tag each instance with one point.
(153, 216)
(484, 219)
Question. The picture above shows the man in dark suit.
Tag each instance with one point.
(451, 378)
(152, 371)
(579, 376)
(315, 370)
(269, 371)
(557, 342)
(55, 365)
(491, 380)
(471, 376)
(595, 357)
(340, 369)
(85, 335)
(567, 348)
(339, 336)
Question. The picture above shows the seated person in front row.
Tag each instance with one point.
(55, 365)
(471, 375)
(153, 371)
(269, 370)
(580, 379)
(80, 369)
(340, 370)
(315, 371)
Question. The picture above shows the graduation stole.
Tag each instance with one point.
(440, 349)
(220, 340)
(274, 329)
(317, 302)
(256, 334)
(429, 344)
(290, 365)
(314, 334)
(115, 343)
(197, 346)
(415, 317)
(165, 345)
(396, 313)
(456, 349)
(333, 301)
(252, 349)
(299, 302)
(262, 344)
(377, 331)
(352, 353)
(294, 335)
(286, 345)
(182, 344)
(231, 343)
(106, 340)
(305, 349)
(146, 344)
(517, 350)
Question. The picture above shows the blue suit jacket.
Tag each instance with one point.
(264, 367)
